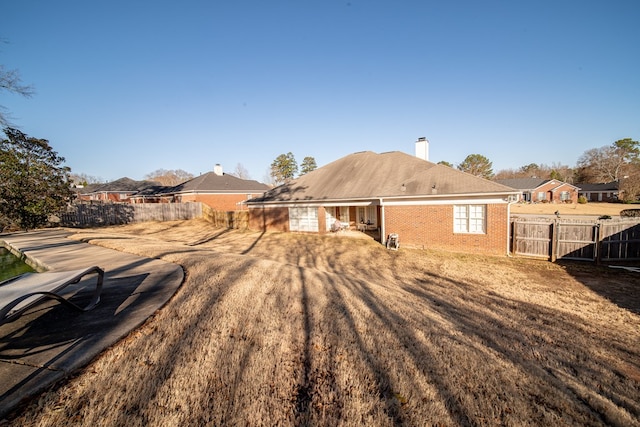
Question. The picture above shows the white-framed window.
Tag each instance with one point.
(565, 195)
(469, 219)
(303, 219)
(542, 195)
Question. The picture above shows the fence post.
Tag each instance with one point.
(554, 240)
(599, 238)
(514, 230)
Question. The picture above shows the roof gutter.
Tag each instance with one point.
(361, 201)
(452, 195)
(364, 200)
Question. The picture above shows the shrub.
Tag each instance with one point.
(630, 213)
(582, 200)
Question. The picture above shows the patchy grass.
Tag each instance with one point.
(291, 329)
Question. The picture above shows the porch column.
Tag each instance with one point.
(383, 235)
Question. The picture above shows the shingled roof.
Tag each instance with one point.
(211, 182)
(125, 185)
(369, 175)
(523, 183)
(529, 184)
(608, 186)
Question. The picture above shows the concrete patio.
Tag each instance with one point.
(50, 341)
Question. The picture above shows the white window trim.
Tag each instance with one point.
(468, 223)
(303, 218)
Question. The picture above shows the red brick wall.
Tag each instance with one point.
(417, 226)
(432, 227)
(277, 219)
(220, 202)
(269, 219)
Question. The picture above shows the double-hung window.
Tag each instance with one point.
(469, 219)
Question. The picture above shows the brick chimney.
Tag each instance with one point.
(422, 148)
(217, 169)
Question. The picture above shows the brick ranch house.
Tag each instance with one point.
(216, 189)
(426, 204)
(538, 190)
(118, 191)
(603, 192)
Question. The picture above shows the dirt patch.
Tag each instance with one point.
(286, 329)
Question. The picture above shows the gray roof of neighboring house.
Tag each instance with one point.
(608, 186)
(210, 182)
(522, 183)
(125, 184)
(369, 175)
(527, 184)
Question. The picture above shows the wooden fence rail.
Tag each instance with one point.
(588, 240)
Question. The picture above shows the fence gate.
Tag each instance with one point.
(532, 238)
(577, 241)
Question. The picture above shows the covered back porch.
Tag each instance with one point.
(363, 217)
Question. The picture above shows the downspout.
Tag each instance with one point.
(383, 238)
(509, 203)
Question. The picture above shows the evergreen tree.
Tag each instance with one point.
(33, 184)
(478, 165)
(284, 168)
(308, 165)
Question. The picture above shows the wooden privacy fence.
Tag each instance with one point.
(587, 240)
(226, 219)
(101, 214)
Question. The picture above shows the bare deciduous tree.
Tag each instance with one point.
(84, 179)
(241, 172)
(169, 177)
(608, 163)
(10, 82)
(630, 183)
(555, 171)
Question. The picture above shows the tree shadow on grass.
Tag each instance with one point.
(619, 286)
(507, 353)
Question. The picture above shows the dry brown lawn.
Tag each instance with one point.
(591, 208)
(284, 329)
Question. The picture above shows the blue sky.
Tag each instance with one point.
(127, 87)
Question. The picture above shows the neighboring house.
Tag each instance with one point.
(605, 192)
(543, 190)
(119, 190)
(426, 204)
(216, 189)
